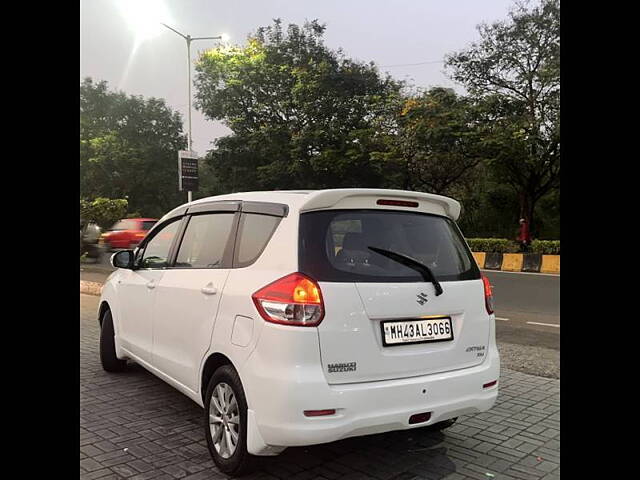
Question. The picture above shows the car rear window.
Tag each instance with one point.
(333, 246)
(254, 233)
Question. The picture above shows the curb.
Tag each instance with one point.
(90, 288)
(89, 267)
(518, 262)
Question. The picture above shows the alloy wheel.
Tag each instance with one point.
(224, 420)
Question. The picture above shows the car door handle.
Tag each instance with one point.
(209, 289)
(151, 285)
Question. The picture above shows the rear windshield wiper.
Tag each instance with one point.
(421, 268)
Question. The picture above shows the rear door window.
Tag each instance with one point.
(205, 241)
(334, 246)
(147, 224)
(254, 233)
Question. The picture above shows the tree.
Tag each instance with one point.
(302, 115)
(129, 148)
(103, 211)
(435, 142)
(514, 72)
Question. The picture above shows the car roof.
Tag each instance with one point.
(308, 200)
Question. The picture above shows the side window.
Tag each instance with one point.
(205, 241)
(120, 225)
(156, 251)
(125, 225)
(254, 233)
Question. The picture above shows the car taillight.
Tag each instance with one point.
(292, 300)
(397, 203)
(488, 294)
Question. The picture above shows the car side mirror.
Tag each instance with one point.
(122, 259)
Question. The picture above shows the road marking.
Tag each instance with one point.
(522, 273)
(544, 324)
(503, 319)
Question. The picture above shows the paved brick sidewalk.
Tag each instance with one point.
(133, 425)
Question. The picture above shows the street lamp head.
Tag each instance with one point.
(224, 37)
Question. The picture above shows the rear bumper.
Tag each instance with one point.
(277, 419)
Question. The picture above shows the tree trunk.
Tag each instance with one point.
(527, 208)
(407, 175)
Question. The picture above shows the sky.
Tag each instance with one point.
(390, 33)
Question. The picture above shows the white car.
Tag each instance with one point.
(304, 317)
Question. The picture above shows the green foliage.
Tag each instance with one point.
(493, 245)
(489, 208)
(548, 215)
(128, 149)
(103, 211)
(513, 72)
(302, 115)
(547, 247)
(503, 245)
(436, 145)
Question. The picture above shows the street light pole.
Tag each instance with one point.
(189, 74)
(189, 39)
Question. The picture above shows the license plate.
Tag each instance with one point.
(402, 332)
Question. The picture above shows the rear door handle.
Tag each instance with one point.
(151, 284)
(209, 289)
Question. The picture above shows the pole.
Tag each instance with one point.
(189, 38)
(189, 194)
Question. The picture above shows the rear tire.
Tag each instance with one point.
(226, 422)
(110, 362)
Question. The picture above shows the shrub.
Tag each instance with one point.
(503, 245)
(103, 211)
(546, 247)
(493, 245)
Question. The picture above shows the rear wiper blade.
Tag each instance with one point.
(421, 268)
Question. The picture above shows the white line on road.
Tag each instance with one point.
(544, 324)
(503, 319)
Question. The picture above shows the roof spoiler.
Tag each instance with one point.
(367, 198)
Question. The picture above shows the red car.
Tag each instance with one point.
(127, 233)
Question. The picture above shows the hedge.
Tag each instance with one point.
(490, 245)
(547, 247)
(504, 245)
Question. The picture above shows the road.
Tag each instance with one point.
(527, 305)
(529, 297)
(527, 308)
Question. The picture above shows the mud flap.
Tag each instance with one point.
(255, 443)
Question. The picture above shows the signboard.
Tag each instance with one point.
(187, 171)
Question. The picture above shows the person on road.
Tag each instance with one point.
(524, 236)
